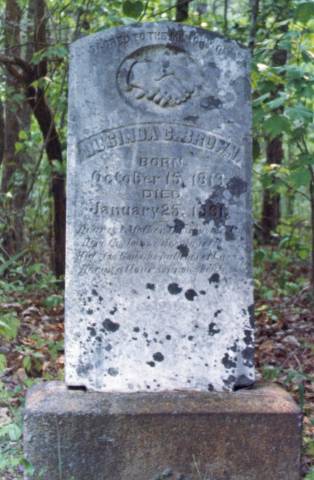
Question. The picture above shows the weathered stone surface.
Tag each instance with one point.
(158, 287)
(246, 435)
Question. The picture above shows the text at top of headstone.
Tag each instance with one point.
(158, 282)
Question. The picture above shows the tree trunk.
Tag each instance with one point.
(1, 132)
(38, 102)
(182, 10)
(44, 117)
(312, 228)
(274, 156)
(253, 29)
(17, 115)
(271, 199)
(24, 74)
(226, 6)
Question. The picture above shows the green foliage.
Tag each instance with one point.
(9, 324)
(132, 8)
(53, 301)
(271, 373)
(276, 125)
(304, 12)
(3, 362)
(11, 454)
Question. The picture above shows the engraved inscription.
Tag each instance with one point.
(149, 212)
(159, 132)
(177, 37)
(157, 75)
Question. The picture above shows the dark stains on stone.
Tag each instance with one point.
(113, 311)
(213, 209)
(108, 347)
(212, 329)
(178, 225)
(110, 326)
(218, 312)
(194, 232)
(210, 102)
(190, 337)
(229, 381)
(202, 292)
(248, 356)
(150, 286)
(92, 331)
(191, 118)
(174, 289)
(113, 371)
(234, 347)
(248, 337)
(228, 362)
(215, 278)
(237, 186)
(90, 311)
(158, 357)
(151, 364)
(168, 337)
(229, 233)
(94, 292)
(190, 294)
(184, 250)
(83, 369)
(210, 387)
(136, 329)
(251, 315)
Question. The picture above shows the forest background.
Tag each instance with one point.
(34, 47)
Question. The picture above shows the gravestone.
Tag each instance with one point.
(159, 307)
(159, 287)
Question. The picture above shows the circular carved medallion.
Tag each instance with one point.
(157, 76)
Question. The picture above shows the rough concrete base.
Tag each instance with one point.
(247, 435)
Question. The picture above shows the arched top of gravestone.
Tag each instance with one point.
(161, 69)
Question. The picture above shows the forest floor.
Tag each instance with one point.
(284, 355)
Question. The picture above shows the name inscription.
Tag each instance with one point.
(159, 132)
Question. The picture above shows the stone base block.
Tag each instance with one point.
(247, 435)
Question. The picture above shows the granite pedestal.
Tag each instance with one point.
(251, 434)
